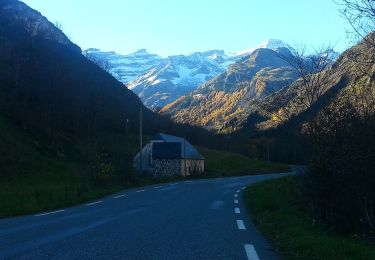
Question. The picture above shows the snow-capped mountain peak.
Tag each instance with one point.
(159, 81)
(272, 44)
(125, 67)
(178, 75)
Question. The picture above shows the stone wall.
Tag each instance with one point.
(193, 167)
(167, 167)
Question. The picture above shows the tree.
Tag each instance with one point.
(313, 73)
(58, 25)
(361, 16)
(342, 167)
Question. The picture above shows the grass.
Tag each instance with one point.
(219, 163)
(34, 179)
(276, 209)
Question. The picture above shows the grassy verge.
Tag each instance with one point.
(35, 178)
(275, 207)
(219, 163)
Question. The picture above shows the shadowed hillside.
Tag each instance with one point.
(49, 89)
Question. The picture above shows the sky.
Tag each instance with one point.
(169, 27)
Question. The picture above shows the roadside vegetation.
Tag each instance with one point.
(282, 211)
(36, 176)
(222, 164)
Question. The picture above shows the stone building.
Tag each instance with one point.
(168, 155)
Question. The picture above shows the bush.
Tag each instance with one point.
(342, 170)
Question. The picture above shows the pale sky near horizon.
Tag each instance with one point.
(169, 27)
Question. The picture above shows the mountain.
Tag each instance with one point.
(178, 75)
(223, 103)
(47, 83)
(272, 44)
(56, 96)
(32, 22)
(350, 78)
(159, 81)
(124, 68)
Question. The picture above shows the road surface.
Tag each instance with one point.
(199, 219)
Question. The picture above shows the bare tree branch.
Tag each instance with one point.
(361, 17)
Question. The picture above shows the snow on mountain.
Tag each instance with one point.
(178, 75)
(159, 81)
(125, 68)
(272, 44)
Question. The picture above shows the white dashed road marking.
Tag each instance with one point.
(119, 196)
(250, 252)
(92, 203)
(53, 212)
(157, 187)
(241, 225)
(249, 248)
(140, 191)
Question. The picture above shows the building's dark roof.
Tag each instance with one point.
(166, 150)
(187, 150)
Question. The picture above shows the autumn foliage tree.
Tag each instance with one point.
(342, 169)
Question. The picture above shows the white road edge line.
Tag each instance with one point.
(47, 213)
(241, 225)
(236, 195)
(140, 191)
(92, 203)
(119, 196)
(251, 253)
(237, 210)
(243, 188)
(236, 201)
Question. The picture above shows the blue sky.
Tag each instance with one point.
(169, 27)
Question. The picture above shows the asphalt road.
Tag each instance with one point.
(200, 219)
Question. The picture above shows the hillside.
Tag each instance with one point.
(48, 88)
(349, 78)
(263, 91)
(178, 75)
(223, 103)
(160, 81)
(46, 82)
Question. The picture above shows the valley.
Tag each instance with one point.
(181, 125)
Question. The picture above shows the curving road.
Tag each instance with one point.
(200, 219)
